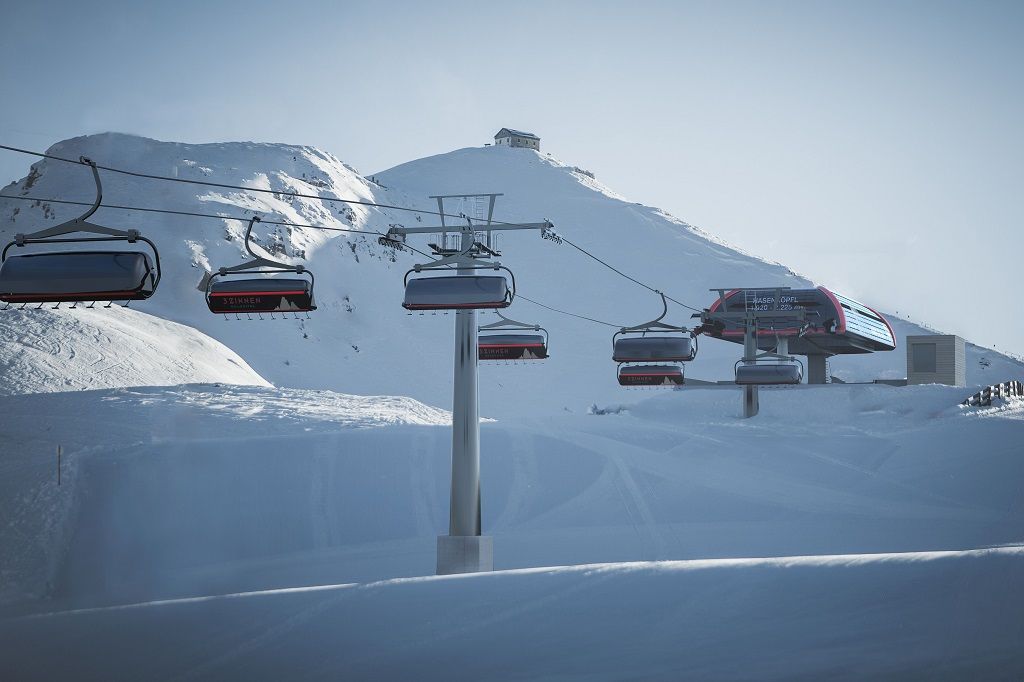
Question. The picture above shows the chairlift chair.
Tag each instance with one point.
(75, 276)
(660, 348)
(506, 346)
(458, 292)
(654, 341)
(651, 375)
(769, 369)
(274, 294)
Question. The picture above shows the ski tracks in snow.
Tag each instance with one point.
(651, 534)
(522, 493)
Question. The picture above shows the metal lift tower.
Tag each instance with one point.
(464, 549)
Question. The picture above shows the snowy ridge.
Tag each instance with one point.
(360, 341)
(69, 350)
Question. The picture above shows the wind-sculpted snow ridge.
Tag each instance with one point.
(253, 408)
(360, 340)
(953, 614)
(69, 350)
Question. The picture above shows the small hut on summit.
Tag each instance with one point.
(507, 137)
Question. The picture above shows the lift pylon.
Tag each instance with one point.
(464, 549)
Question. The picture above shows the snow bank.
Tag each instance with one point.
(922, 615)
(67, 350)
(199, 490)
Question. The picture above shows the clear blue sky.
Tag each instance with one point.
(876, 147)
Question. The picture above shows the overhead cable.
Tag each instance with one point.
(273, 222)
(321, 198)
(241, 188)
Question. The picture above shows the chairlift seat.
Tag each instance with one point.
(261, 295)
(653, 349)
(769, 374)
(77, 276)
(512, 347)
(651, 375)
(457, 293)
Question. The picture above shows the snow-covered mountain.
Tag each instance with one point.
(360, 340)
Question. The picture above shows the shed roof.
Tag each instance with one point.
(509, 132)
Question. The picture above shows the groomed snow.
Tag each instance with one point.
(928, 615)
(174, 494)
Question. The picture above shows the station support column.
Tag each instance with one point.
(750, 398)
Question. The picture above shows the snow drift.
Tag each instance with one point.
(68, 350)
(785, 618)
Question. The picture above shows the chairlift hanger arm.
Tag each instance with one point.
(506, 323)
(546, 225)
(265, 265)
(258, 264)
(79, 224)
(462, 258)
(258, 260)
(466, 196)
(71, 226)
(656, 323)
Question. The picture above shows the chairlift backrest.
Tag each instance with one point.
(77, 276)
(769, 373)
(460, 292)
(261, 295)
(651, 375)
(512, 347)
(653, 348)
(278, 291)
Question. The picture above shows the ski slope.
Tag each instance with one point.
(934, 615)
(319, 513)
(361, 341)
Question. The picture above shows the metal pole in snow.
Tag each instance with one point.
(750, 398)
(465, 496)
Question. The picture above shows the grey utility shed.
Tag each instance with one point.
(936, 359)
(507, 137)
